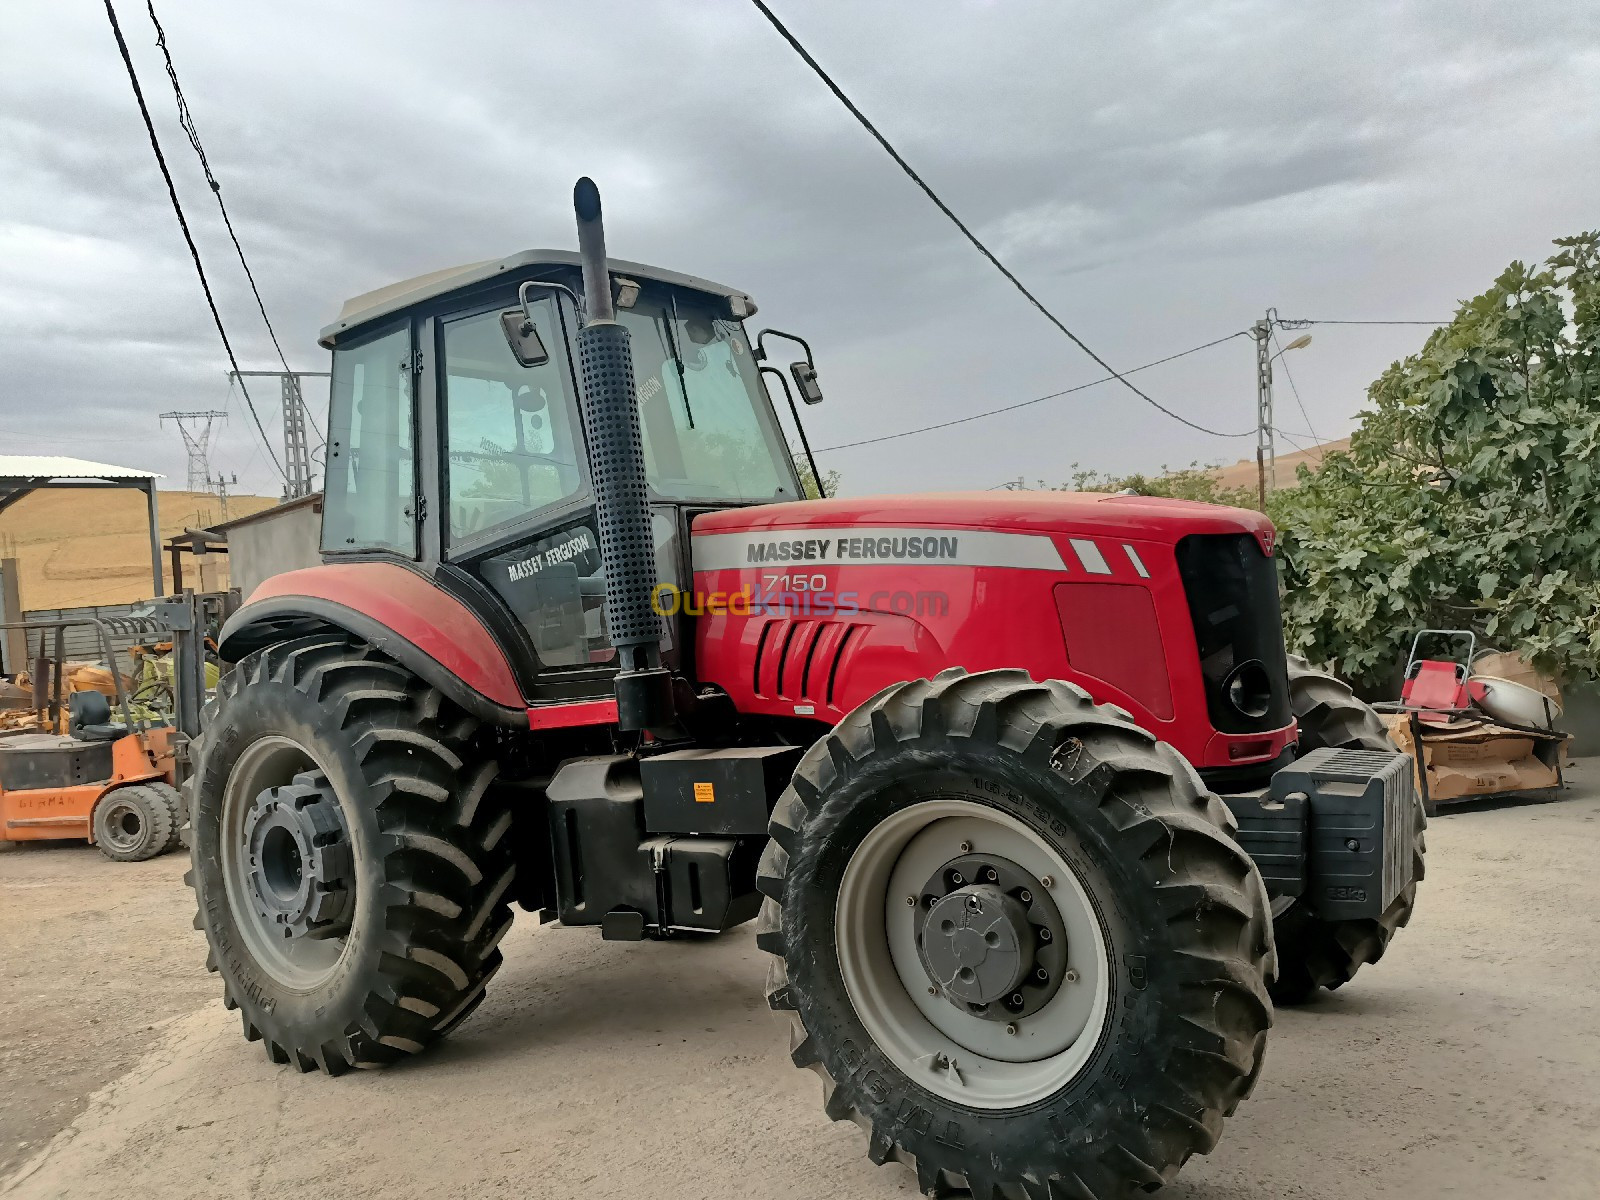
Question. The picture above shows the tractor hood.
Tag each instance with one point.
(1145, 518)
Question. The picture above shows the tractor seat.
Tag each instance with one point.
(89, 718)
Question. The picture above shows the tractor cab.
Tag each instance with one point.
(474, 372)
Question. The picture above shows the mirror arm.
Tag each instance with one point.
(548, 285)
(805, 443)
(761, 350)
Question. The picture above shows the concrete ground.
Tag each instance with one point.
(1465, 1065)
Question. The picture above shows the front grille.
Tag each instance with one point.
(1232, 589)
(799, 659)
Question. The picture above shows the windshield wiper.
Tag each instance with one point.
(677, 359)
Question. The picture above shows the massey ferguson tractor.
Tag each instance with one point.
(1032, 812)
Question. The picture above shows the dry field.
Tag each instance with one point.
(90, 545)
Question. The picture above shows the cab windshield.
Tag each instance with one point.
(709, 432)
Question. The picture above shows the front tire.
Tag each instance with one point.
(1156, 1024)
(1313, 953)
(349, 857)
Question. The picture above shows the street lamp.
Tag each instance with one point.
(1266, 450)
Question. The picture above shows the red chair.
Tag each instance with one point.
(1436, 689)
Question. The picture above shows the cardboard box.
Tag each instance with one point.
(1469, 756)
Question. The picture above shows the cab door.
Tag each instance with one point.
(517, 515)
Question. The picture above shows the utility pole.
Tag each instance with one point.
(221, 485)
(196, 441)
(1266, 450)
(296, 445)
(1266, 444)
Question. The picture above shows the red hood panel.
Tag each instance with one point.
(1144, 517)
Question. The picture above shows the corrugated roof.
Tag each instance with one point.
(49, 466)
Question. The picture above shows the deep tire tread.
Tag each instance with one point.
(1213, 893)
(447, 866)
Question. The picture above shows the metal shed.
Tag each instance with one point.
(21, 474)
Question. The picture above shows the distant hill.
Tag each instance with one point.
(1243, 472)
(79, 546)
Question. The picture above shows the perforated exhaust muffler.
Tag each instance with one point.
(617, 470)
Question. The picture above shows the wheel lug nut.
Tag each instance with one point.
(932, 991)
(1047, 881)
(956, 878)
(1012, 1029)
(1044, 935)
(1025, 896)
(912, 900)
(989, 874)
(1042, 975)
(1071, 976)
(966, 847)
(1016, 1000)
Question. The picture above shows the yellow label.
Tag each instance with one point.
(703, 794)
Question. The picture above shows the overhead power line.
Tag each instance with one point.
(889, 437)
(928, 191)
(1283, 360)
(186, 120)
(183, 224)
(1304, 322)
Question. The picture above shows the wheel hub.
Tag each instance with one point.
(298, 861)
(990, 939)
(977, 944)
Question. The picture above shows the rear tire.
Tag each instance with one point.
(349, 857)
(174, 799)
(1313, 953)
(132, 823)
(1175, 921)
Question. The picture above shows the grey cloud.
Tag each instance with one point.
(1159, 173)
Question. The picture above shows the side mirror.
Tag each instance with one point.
(523, 338)
(805, 378)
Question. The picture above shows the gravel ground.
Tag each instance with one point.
(1466, 1065)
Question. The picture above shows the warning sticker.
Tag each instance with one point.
(703, 794)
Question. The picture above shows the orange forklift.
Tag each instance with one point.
(74, 772)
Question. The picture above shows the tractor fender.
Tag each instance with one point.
(407, 616)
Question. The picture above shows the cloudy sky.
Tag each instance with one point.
(1160, 173)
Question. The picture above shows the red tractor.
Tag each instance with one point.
(1033, 814)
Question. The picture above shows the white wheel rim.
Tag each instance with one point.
(964, 1058)
(300, 964)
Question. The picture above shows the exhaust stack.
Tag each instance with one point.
(616, 465)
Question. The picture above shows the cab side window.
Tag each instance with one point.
(371, 485)
(508, 437)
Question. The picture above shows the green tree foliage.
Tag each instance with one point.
(808, 481)
(1193, 482)
(1470, 497)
